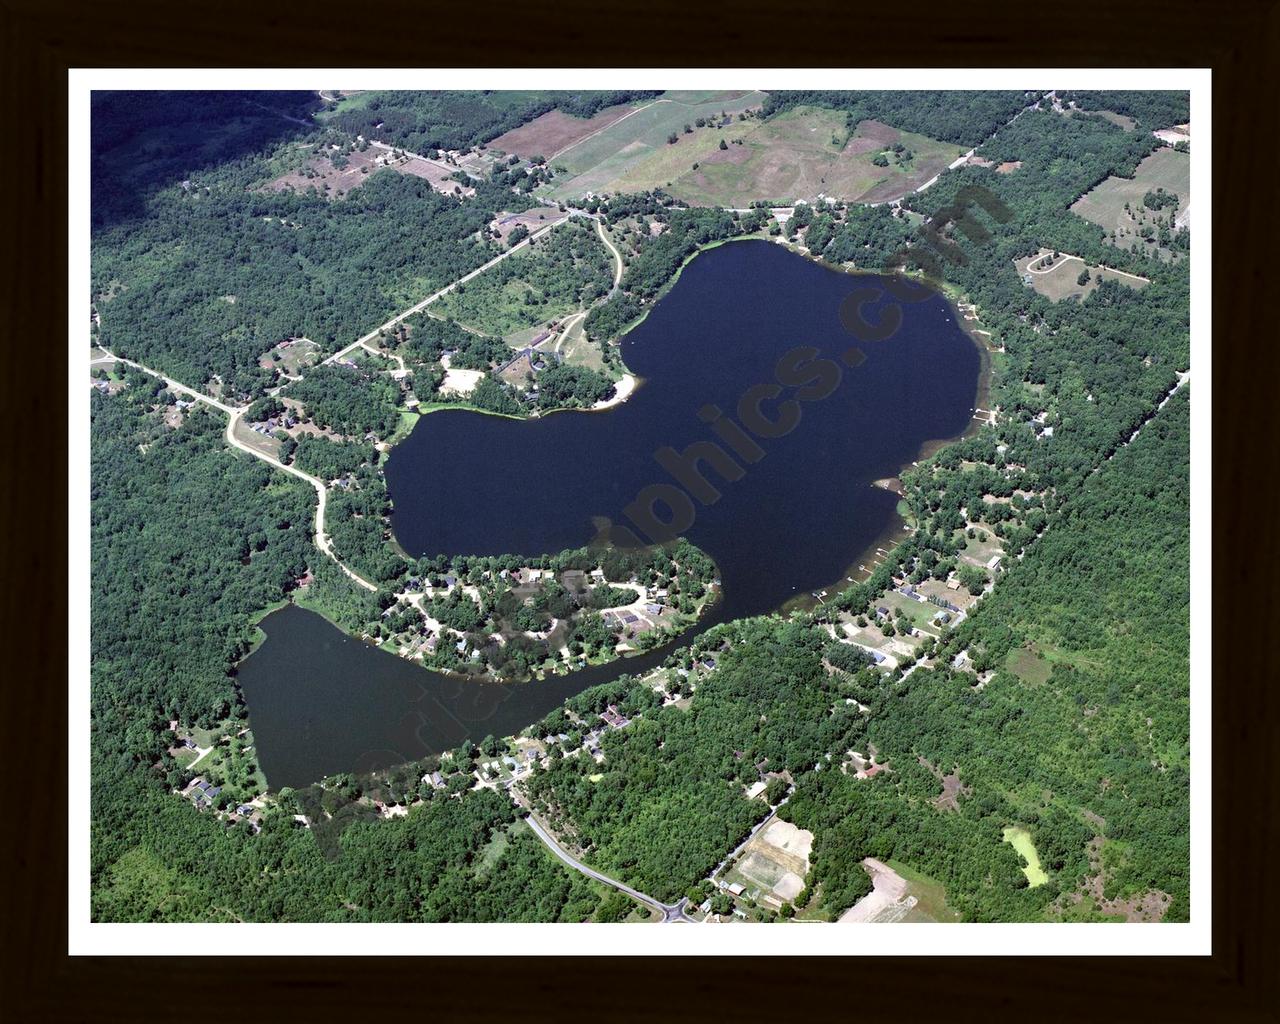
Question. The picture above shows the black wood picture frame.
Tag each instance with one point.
(42, 40)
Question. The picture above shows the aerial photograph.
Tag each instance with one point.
(711, 506)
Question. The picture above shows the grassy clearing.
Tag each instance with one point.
(1127, 123)
(1029, 666)
(931, 893)
(1020, 840)
(563, 273)
(1060, 279)
(578, 350)
(808, 152)
(918, 613)
(1105, 204)
(496, 847)
(408, 420)
(610, 160)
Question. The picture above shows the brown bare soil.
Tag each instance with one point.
(1143, 908)
(333, 183)
(553, 131)
(952, 788)
(505, 223)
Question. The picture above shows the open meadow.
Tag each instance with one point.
(801, 154)
(808, 152)
(1058, 279)
(631, 153)
(1117, 207)
(550, 134)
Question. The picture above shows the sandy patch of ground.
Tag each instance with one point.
(1178, 133)
(784, 836)
(887, 902)
(459, 382)
(622, 390)
(776, 861)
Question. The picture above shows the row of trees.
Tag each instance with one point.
(420, 121)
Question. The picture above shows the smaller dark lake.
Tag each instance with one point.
(322, 702)
(793, 508)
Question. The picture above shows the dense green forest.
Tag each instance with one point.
(190, 542)
(1099, 607)
(1153, 110)
(144, 140)
(270, 266)
(348, 401)
(671, 801)
(421, 121)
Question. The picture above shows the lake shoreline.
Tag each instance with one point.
(536, 486)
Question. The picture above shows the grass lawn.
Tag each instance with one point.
(918, 612)
(931, 893)
(184, 757)
(1028, 666)
(264, 443)
(1061, 279)
(408, 420)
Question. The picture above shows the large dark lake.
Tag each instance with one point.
(792, 511)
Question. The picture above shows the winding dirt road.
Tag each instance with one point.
(234, 415)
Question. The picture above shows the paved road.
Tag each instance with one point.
(172, 384)
(672, 913)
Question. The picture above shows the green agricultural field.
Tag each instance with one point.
(1020, 840)
(808, 152)
(1105, 204)
(617, 158)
